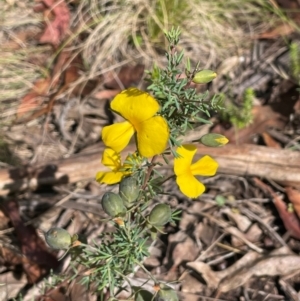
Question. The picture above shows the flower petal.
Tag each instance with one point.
(117, 136)
(109, 177)
(189, 185)
(111, 159)
(206, 166)
(135, 105)
(152, 136)
(182, 164)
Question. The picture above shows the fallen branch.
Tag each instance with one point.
(282, 166)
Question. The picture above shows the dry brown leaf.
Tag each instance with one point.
(106, 94)
(277, 263)
(66, 291)
(37, 260)
(269, 141)
(297, 107)
(254, 233)
(181, 248)
(66, 68)
(21, 37)
(263, 118)
(289, 290)
(211, 278)
(186, 250)
(56, 29)
(65, 72)
(126, 77)
(281, 30)
(290, 219)
(233, 231)
(243, 222)
(11, 285)
(32, 100)
(294, 197)
(191, 285)
(4, 220)
(9, 257)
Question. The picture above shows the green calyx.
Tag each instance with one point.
(160, 215)
(58, 238)
(113, 205)
(129, 191)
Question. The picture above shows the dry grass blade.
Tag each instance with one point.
(119, 31)
(116, 32)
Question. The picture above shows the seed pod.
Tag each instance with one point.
(143, 295)
(129, 191)
(58, 238)
(204, 76)
(166, 293)
(213, 140)
(160, 215)
(112, 204)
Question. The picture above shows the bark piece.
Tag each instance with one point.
(278, 165)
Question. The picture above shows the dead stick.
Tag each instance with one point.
(282, 166)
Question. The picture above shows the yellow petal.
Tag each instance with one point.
(111, 159)
(135, 105)
(189, 185)
(206, 166)
(117, 136)
(182, 164)
(109, 177)
(152, 136)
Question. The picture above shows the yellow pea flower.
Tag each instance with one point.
(185, 171)
(112, 160)
(139, 109)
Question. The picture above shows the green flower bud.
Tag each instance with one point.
(129, 190)
(166, 293)
(204, 76)
(112, 204)
(213, 140)
(58, 238)
(160, 215)
(142, 295)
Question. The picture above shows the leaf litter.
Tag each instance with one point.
(57, 28)
(70, 106)
(279, 262)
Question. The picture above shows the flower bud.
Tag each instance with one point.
(204, 76)
(213, 140)
(166, 293)
(129, 190)
(112, 204)
(58, 238)
(160, 215)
